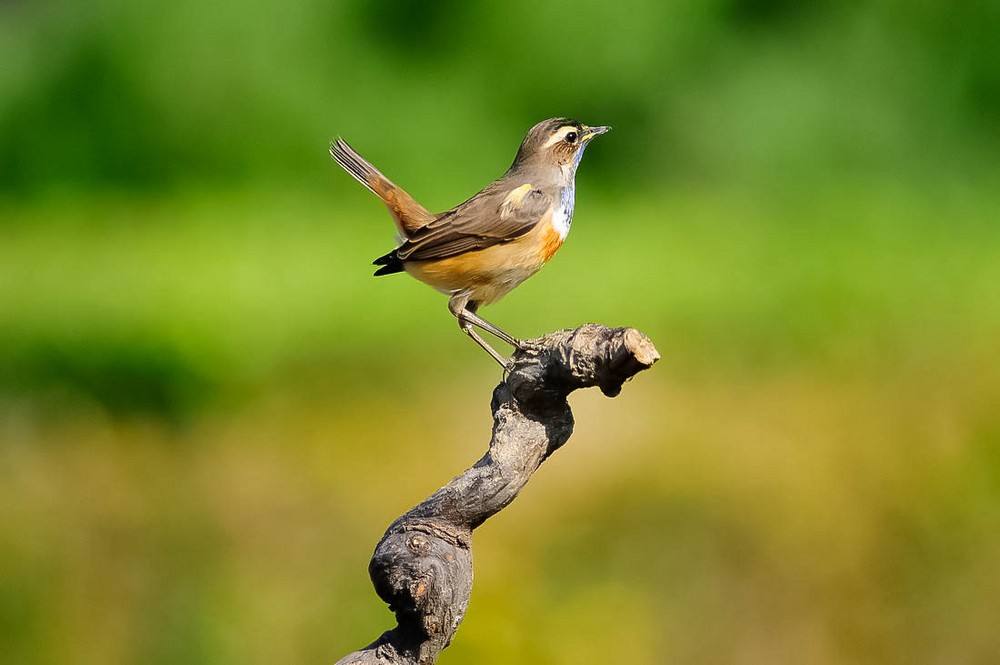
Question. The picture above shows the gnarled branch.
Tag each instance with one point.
(422, 567)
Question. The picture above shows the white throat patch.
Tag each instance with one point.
(562, 216)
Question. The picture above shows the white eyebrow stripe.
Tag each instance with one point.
(559, 135)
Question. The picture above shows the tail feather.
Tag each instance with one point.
(391, 263)
(408, 214)
(356, 165)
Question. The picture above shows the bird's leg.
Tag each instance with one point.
(463, 309)
(467, 327)
(476, 320)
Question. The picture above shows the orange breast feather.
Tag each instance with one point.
(551, 240)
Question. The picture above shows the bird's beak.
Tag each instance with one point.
(591, 132)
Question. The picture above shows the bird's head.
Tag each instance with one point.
(556, 142)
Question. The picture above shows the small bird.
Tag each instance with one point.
(481, 249)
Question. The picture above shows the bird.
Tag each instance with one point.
(483, 248)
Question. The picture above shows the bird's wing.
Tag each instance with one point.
(408, 214)
(496, 215)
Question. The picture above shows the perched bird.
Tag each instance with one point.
(481, 249)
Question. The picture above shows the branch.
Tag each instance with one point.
(422, 567)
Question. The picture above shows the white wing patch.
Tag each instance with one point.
(513, 200)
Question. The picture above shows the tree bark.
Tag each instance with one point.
(422, 567)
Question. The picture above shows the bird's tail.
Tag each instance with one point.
(391, 263)
(408, 214)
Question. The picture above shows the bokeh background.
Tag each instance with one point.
(209, 410)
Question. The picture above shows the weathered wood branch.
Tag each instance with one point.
(422, 567)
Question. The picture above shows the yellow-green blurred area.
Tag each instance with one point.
(209, 409)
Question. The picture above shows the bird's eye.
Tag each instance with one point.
(571, 137)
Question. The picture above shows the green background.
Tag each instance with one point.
(209, 410)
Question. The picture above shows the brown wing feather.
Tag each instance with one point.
(496, 215)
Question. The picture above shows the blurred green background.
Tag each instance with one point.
(209, 410)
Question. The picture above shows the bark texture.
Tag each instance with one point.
(422, 567)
